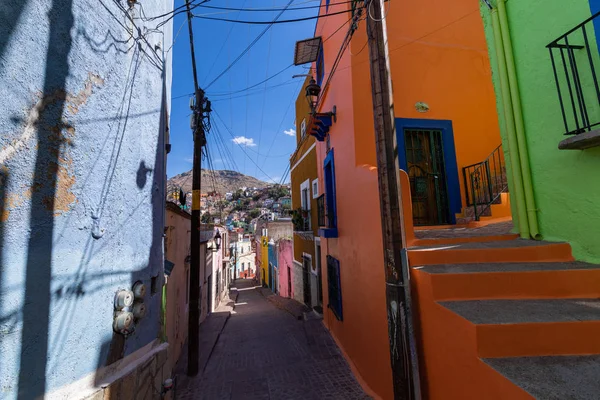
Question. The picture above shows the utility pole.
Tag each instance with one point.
(201, 106)
(402, 350)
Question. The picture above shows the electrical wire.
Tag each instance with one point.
(275, 9)
(249, 47)
(254, 93)
(270, 23)
(241, 147)
(253, 86)
(284, 116)
(384, 16)
(222, 46)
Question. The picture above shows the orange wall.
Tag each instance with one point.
(438, 55)
(363, 332)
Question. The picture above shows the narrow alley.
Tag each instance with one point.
(264, 352)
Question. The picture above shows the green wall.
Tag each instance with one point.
(566, 183)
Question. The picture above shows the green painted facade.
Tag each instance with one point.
(566, 183)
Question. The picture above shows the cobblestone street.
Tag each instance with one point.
(264, 352)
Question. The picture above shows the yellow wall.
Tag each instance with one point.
(264, 255)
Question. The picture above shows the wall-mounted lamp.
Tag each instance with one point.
(313, 91)
(217, 242)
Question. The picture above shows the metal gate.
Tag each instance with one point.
(427, 173)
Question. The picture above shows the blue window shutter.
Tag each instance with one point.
(334, 287)
(320, 66)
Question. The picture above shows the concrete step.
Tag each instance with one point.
(517, 328)
(552, 378)
(518, 250)
(513, 280)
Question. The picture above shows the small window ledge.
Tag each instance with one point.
(328, 232)
(582, 141)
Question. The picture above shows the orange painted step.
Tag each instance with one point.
(518, 250)
(513, 280)
(456, 240)
(519, 328)
(562, 377)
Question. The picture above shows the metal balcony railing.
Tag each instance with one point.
(485, 182)
(321, 210)
(574, 58)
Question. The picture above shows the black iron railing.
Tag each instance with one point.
(321, 210)
(574, 57)
(485, 182)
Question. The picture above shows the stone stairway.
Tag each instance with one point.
(506, 319)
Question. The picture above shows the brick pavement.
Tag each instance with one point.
(265, 353)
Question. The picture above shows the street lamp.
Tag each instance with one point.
(313, 90)
(218, 240)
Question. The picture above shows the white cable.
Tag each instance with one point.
(385, 15)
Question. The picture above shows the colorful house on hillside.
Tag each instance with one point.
(449, 145)
(305, 200)
(268, 233)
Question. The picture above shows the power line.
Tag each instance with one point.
(284, 116)
(254, 85)
(276, 8)
(249, 46)
(259, 91)
(241, 147)
(270, 23)
(223, 45)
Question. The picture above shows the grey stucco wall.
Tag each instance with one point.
(82, 168)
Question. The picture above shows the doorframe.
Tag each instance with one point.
(319, 270)
(449, 150)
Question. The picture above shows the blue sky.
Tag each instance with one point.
(217, 44)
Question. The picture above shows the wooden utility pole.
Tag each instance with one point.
(198, 110)
(402, 349)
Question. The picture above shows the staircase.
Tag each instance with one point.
(486, 189)
(506, 319)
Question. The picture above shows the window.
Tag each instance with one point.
(334, 287)
(303, 128)
(315, 188)
(320, 66)
(330, 230)
(305, 202)
(243, 267)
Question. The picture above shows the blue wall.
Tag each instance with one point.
(82, 168)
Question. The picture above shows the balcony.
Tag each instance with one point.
(302, 223)
(574, 56)
(321, 210)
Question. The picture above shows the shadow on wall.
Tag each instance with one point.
(51, 133)
(149, 327)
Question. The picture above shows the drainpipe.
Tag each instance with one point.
(513, 116)
(520, 126)
(509, 123)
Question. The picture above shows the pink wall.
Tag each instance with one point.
(285, 259)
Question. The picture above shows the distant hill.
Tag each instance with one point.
(224, 181)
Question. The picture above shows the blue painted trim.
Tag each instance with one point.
(452, 180)
(320, 66)
(330, 198)
(328, 233)
(594, 8)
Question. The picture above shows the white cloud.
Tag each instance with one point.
(188, 159)
(290, 132)
(244, 141)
